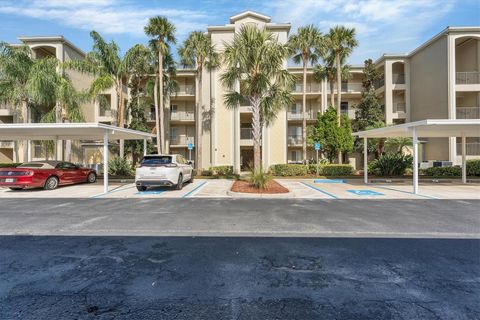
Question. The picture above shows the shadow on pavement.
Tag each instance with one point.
(70, 277)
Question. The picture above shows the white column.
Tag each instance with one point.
(144, 147)
(464, 159)
(365, 160)
(415, 161)
(105, 162)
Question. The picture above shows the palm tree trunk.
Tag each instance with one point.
(257, 135)
(121, 116)
(161, 111)
(199, 126)
(332, 94)
(157, 120)
(304, 112)
(25, 119)
(339, 97)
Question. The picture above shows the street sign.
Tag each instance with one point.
(317, 146)
(190, 146)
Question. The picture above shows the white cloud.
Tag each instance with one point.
(105, 16)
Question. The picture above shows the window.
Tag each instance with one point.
(174, 108)
(344, 107)
(295, 156)
(66, 166)
(156, 160)
(173, 133)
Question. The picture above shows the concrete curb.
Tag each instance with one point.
(259, 195)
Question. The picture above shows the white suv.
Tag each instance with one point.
(163, 170)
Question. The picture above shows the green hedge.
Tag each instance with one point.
(294, 170)
(218, 171)
(9, 165)
(473, 169)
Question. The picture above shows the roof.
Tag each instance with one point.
(62, 39)
(430, 128)
(68, 131)
(249, 13)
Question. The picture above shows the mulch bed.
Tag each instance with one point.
(273, 187)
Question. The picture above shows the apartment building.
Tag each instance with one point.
(438, 80)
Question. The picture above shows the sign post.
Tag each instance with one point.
(317, 148)
(190, 147)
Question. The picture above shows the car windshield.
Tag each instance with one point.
(159, 160)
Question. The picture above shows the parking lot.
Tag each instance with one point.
(299, 189)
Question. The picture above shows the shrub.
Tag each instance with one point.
(289, 170)
(391, 164)
(473, 167)
(9, 165)
(222, 170)
(442, 171)
(260, 179)
(336, 170)
(119, 166)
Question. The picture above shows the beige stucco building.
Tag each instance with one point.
(438, 80)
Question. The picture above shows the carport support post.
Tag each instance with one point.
(365, 160)
(105, 162)
(415, 161)
(144, 147)
(464, 159)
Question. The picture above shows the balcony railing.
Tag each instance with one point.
(106, 113)
(246, 134)
(398, 78)
(6, 144)
(294, 139)
(186, 89)
(310, 115)
(182, 140)
(468, 112)
(399, 107)
(379, 83)
(189, 115)
(348, 87)
(310, 88)
(472, 149)
(468, 77)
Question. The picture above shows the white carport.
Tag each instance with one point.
(74, 131)
(441, 128)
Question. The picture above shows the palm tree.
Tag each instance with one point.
(25, 81)
(163, 33)
(256, 59)
(198, 52)
(341, 41)
(109, 69)
(307, 46)
(328, 72)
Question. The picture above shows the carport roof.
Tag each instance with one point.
(430, 128)
(68, 131)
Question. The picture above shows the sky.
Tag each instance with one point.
(382, 26)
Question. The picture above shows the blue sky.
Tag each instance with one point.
(383, 26)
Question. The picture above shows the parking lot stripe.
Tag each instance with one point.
(113, 191)
(192, 191)
(320, 190)
(408, 192)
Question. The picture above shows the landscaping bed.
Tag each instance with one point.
(273, 187)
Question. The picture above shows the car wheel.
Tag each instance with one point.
(179, 185)
(15, 188)
(51, 183)
(92, 177)
(141, 188)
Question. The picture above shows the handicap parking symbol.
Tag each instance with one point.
(365, 192)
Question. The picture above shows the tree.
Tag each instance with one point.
(163, 33)
(372, 75)
(198, 52)
(333, 138)
(329, 72)
(25, 81)
(308, 46)
(109, 69)
(256, 59)
(341, 41)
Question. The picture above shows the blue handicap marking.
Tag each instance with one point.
(366, 192)
(328, 181)
(151, 192)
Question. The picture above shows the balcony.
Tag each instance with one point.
(183, 116)
(310, 88)
(246, 134)
(348, 87)
(181, 140)
(379, 83)
(399, 107)
(294, 140)
(468, 77)
(468, 113)
(398, 78)
(310, 115)
(7, 144)
(472, 149)
(186, 89)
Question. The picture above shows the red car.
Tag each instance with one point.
(45, 174)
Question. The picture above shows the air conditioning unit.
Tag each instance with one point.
(442, 163)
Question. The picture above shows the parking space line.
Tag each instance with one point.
(192, 191)
(320, 190)
(113, 191)
(408, 192)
